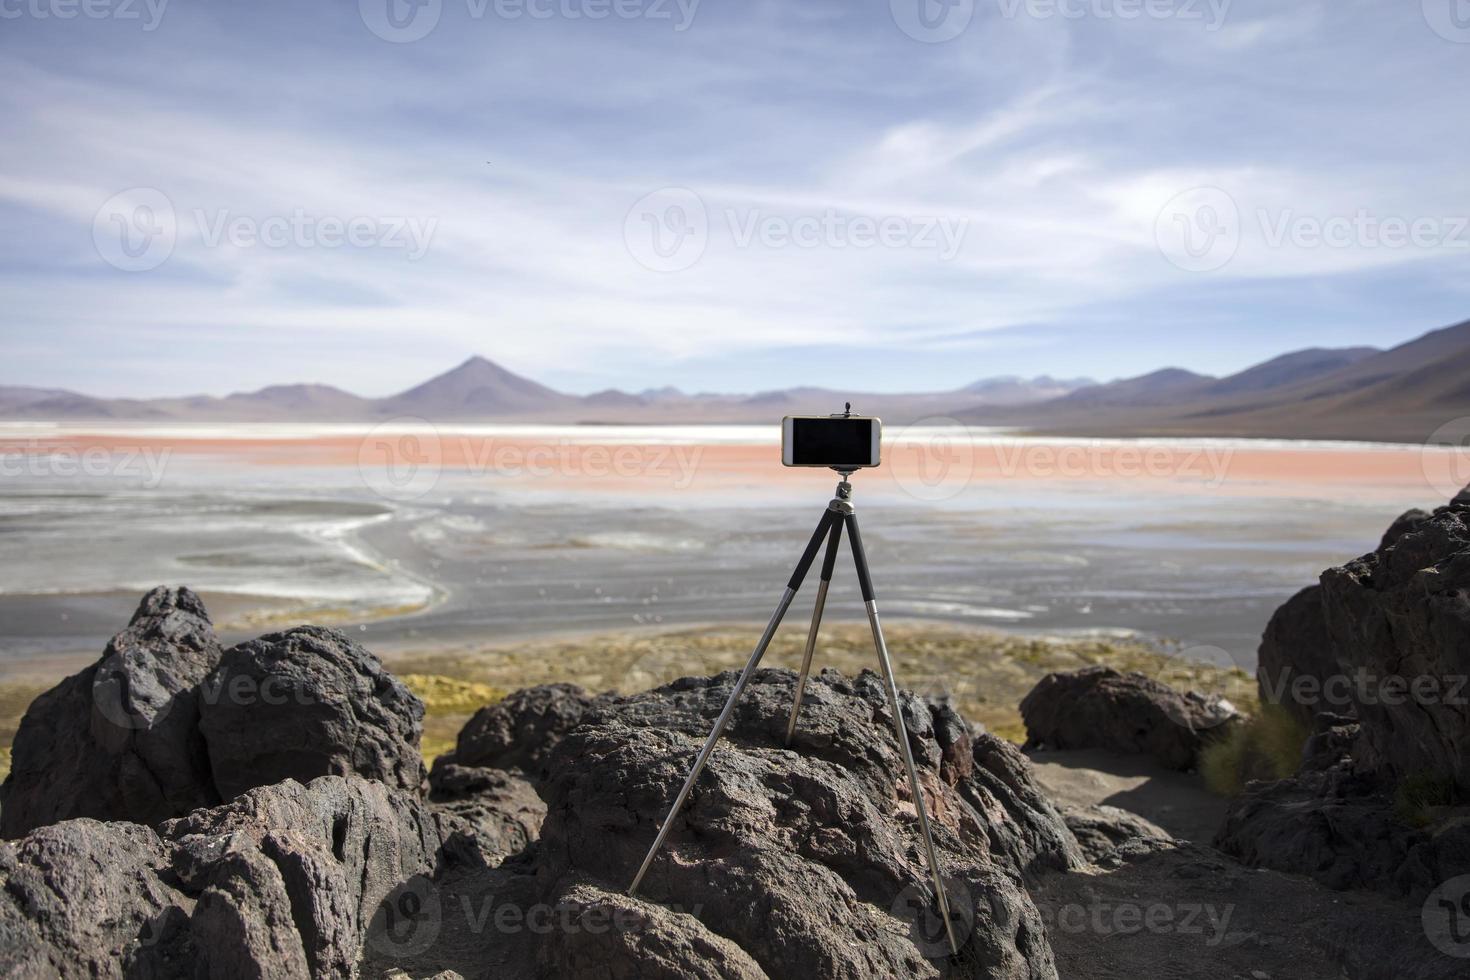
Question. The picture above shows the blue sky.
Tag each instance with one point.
(214, 196)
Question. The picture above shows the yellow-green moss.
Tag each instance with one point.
(1421, 798)
(448, 704)
(1268, 746)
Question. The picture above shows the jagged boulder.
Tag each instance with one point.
(1023, 825)
(519, 732)
(608, 934)
(1399, 621)
(120, 740)
(291, 870)
(304, 703)
(1384, 642)
(1098, 707)
(1100, 830)
(285, 881)
(1296, 660)
(497, 813)
(83, 898)
(1341, 828)
(821, 837)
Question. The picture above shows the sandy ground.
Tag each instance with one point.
(1176, 801)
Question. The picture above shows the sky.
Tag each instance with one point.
(722, 195)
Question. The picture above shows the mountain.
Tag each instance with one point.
(307, 399)
(1288, 369)
(1159, 388)
(1013, 390)
(1400, 395)
(1355, 393)
(13, 396)
(478, 388)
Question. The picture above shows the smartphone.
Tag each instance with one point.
(841, 442)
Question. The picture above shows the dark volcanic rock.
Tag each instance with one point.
(1399, 620)
(1408, 521)
(304, 703)
(496, 812)
(1385, 643)
(1023, 825)
(119, 740)
(354, 840)
(1101, 830)
(609, 934)
(285, 881)
(86, 899)
(1098, 707)
(1340, 828)
(820, 838)
(1296, 658)
(1332, 742)
(520, 732)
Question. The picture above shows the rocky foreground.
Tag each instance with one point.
(183, 810)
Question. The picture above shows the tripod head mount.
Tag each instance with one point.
(842, 499)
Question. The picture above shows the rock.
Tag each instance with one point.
(119, 740)
(1296, 658)
(242, 924)
(609, 934)
(495, 812)
(1024, 826)
(1399, 621)
(956, 743)
(86, 899)
(1385, 643)
(1098, 707)
(1339, 827)
(285, 881)
(1331, 744)
(304, 703)
(1101, 830)
(1408, 521)
(339, 846)
(821, 838)
(520, 732)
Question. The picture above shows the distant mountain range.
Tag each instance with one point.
(1355, 393)
(480, 390)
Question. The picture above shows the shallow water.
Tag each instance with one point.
(259, 517)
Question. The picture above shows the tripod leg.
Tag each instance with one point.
(828, 561)
(865, 583)
(828, 517)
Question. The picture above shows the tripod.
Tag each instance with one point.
(839, 513)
